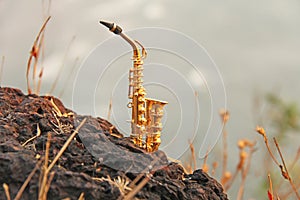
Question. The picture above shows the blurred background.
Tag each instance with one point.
(255, 45)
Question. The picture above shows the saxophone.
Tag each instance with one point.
(146, 113)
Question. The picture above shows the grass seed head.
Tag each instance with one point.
(245, 143)
(243, 156)
(205, 168)
(261, 131)
(224, 115)
(227, 176)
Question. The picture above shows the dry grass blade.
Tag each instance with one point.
(46, 12)
(229, 179)
(42, 189)
(270, 191)
(262, 132)
(21, 190)
(6, 190)
(283, 168)
(136, 189)
(109, 109)
(40, 48)
(285, 172)
(1, 69)
(40, 81)
(225, 153)
(289, 192)
(81, 197)
(58, 112)
(284, 196)
(65, 145)
(45, 185)
(224, 114)
(214, 168)
(62, 66)
(123, 184)
(67, 80)
(38, 133)
(48, 184)
(245, 172)
(205, 167)
(34, 54)
(295, 159)
(137, 178)
(131, 194)
(192, 148)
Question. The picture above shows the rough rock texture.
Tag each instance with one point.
(97, 163)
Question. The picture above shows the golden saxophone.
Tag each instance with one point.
(147, 113)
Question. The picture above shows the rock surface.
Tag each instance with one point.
(99, 162)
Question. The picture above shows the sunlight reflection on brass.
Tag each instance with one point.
(147, 113)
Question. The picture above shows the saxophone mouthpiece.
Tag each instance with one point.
(112, 27)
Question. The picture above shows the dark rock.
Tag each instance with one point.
(97, 157)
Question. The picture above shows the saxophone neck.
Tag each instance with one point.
(133, 44)
(118, 30)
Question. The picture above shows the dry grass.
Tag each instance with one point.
(194, 162)
(246, 150)
(46, 175)
(36, 56)
(46, 178)
(262, 132)
(44, 187)
(109, 109)
(21, 190)
(270, 191)
(38, 133)
(136, 188)
(1, 69)
(81, 197)
(6, 190)
(214, 168)
(120, 182)
(67, 143)
(244, 166)
(283, 168)
(34, 59)
(140, 186)
(129, 190)
(67, 80)
(46, 7)
(205, 166)
(224, 114)
(62, 66)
